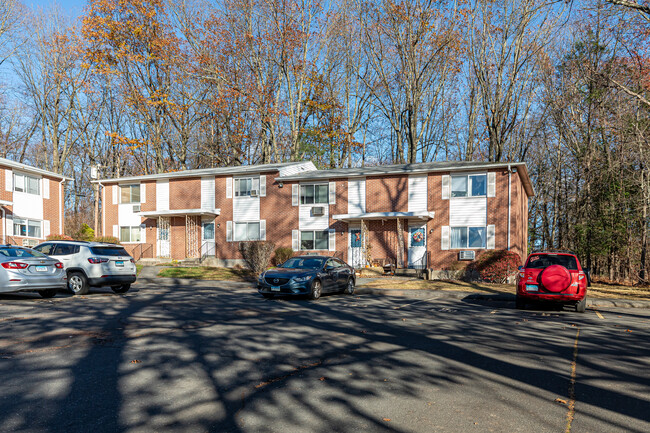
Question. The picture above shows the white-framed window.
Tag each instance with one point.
(28, 184)
(468, 237)
(130, 233)
(130, 193)
(244, 186)
(247, 231)
(472, 185)
(314, 240)
(27, 228)
(314, 194)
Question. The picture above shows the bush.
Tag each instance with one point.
(495, 266)
(107, 239)
(282, 254)
(58, 238)
(85, 233)
(256, 254)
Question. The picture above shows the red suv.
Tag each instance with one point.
(552, 277)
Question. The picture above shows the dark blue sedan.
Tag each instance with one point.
(307, 275)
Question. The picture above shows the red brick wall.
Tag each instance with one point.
(281, 217)
(185, 193)
(150, 196)
(52, 207)
(4, 194)
(387, 194)
(110, 209)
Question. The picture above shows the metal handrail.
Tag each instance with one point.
(208, 252)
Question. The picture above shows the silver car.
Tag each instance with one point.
(26, 270)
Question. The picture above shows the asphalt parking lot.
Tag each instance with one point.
(223, 359)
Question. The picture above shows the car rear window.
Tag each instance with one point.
(19, 252)
(541, 261)
(109, 251)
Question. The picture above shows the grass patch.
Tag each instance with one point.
(138, 268)
(603, 291)
(208, 273)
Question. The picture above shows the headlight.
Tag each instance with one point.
(302, 279)
(261, 278)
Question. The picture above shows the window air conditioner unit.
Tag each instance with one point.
(253, 193)
(318, 211)
(30, 242)
(136, 208)
(466, 255)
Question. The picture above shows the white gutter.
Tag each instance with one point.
(61, 202)
(509, 203)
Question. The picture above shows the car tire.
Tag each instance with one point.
(78, 283)
(581, 306)
(47, 293)
(316, 290)
(267, 295)
(349, 287)
(519, 303)
(121, 289)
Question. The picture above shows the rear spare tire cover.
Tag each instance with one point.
(556, 278)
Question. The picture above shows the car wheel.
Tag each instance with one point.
(121, 289)
(581, 306)
(78, 283)
(316, 290)
(519, 303)
(48, 293)
(267, 295)
(349, 288)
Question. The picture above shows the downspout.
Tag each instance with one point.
(4, 226)
(509, 203)
(100, 186)
(61, 202)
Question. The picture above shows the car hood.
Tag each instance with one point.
(288, 272)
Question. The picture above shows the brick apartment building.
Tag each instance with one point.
(31, 203)
(424, 215)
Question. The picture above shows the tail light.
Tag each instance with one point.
(581, 275)
(96, 260)
(58, 265)
(132, 261)
(14, 265)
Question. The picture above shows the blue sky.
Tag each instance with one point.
(73, 8)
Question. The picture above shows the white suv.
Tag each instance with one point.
(92, 264)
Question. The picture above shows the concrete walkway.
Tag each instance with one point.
(148, 276)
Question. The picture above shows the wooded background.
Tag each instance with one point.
(146, 86)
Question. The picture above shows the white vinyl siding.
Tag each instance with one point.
(246, 209)
(417, 193)
(356, 196)
(470, 211)
(207, 193)
(308, 221)
(162, 194)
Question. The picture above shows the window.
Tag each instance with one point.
(247, 231)
(314, 194)
(314, 240)
(46, 249)
(130, 193)
(28, 184)
(474, 185)
(208, 231)
(468, 237)
(27, 228)
(19, 252)
(109, 251)
(65, 250)
(244, 186)
(130, 234)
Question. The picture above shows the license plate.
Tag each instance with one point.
(119, 264)
(532, 288)
(275, 288)
(41, 268)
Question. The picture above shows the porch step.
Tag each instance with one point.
(408, 271)
(189, 263)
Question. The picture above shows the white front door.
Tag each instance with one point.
(417, 246)
(356, 256)
(208, 246)
(163, 238)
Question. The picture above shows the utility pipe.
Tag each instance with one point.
(509, 203)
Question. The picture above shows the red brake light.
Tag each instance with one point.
(58, 265)
(14, 265)
(96, 260)
(132, 261)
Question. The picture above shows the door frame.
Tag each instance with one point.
(213, 246)
(350, 254)
(422, 226)
(159, 241)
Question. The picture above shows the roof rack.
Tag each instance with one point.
(552, 251)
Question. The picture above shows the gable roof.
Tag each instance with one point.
(424, 167)
(29, 169)
(287, 168)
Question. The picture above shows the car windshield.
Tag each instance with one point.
(109, 251)
(303, 263)
(541, 261)
(19, 252)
